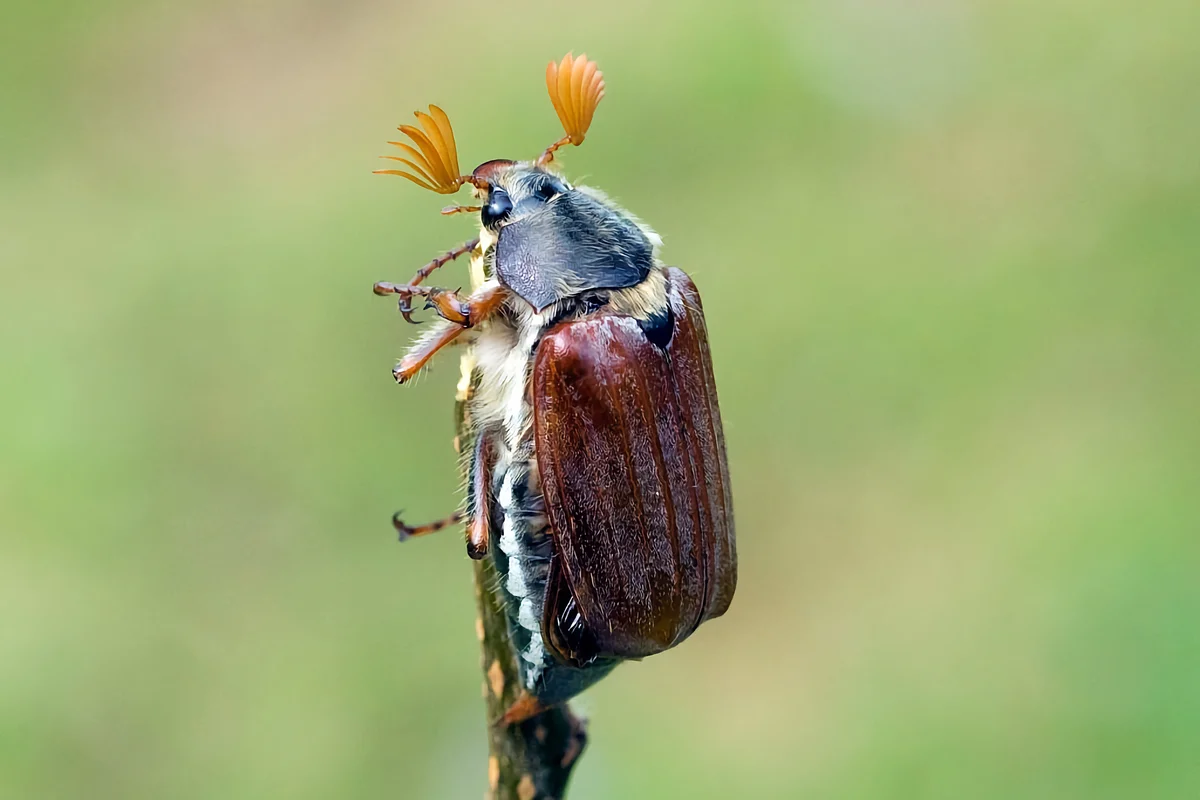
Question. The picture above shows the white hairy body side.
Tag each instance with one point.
(503, 353)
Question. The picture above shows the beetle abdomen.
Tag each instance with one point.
(523, 555)
(522, 560)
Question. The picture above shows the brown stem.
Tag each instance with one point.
(532, 759)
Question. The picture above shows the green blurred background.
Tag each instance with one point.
(949, 255)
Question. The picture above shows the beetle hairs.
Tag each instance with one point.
(435, 165)
(443, 333)
(644, 301)
(651, 235)
(576, 88)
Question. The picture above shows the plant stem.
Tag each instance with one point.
(532, 759)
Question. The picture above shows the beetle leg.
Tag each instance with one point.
(478, 530)
(449, 307)
(425, 349)
(406, 532)
(473, 311)
(425, 271)
(407, 291)
(480, 502)
(467, 313)
(460, 314)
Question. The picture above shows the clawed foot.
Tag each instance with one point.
(406, 292)
(446, 303)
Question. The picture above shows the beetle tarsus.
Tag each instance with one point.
(407, 532)
(425, 271)
(406, 311)
(442, 260)
(406, 292)
(413, 288)
(446, 303)
(382, 288)
(404, 532)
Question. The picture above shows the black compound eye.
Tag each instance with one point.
(497, 208)
(548, 190)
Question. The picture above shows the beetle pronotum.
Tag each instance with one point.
(598, 480)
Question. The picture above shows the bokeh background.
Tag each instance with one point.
(949, 254)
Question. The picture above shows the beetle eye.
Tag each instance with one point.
(497, 208)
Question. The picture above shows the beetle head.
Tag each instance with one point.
(553, 240)
(556, 241)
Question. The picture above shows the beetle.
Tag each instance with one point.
(598, 480)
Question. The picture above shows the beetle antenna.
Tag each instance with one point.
(435, 165)
(576, 88)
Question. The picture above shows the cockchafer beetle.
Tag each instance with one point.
(598, 480)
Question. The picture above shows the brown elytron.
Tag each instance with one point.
(632, 456)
